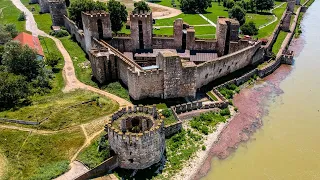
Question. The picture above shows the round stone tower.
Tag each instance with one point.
(137, 136)
(58, 9)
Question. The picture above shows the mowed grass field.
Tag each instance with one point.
(64, 110)
(37, 156)
(43, 20)
(9, 14)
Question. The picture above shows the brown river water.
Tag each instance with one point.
(276, 135)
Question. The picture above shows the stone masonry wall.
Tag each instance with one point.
(211, 70)
(58, 9)
(102, 169)
(74, 31)
(145, 84)
(137, 150)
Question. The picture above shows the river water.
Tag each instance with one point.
(287, 146)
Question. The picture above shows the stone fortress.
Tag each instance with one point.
(154, 66)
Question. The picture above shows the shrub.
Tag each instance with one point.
(61, 33)
(236, 109)
(203, 147)
(225, 112)
(249, 29)
(22, 16)
(166, 113)
(231, 102)
(52, 60)
(205, 130)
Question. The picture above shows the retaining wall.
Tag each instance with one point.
(105, 167)
(19, 121)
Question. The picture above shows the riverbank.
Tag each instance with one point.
(252, 103)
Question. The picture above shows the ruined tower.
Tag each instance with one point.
(291, 4)
(58, 9)
(141, 30)
(227, 30)
(178, 33)
(96, 24)
(103, 65)
(44, 6)
(285, 25)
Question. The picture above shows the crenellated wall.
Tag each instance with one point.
(137, 150)
(145, 84)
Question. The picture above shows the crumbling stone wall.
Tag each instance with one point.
(285, 26)
(75, 31)
(137, 150)
(58, 10)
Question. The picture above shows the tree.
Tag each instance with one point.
(7, 32)
(238, 13)
(20, 60)
(22, 16)
(195, 6)
(228, 4)
(78, 6)
(249, 29)
(118, 15)
(264, 4)
(13, 88)
(52, 60)
(12, 29)
(141, 6)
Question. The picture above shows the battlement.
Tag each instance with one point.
(224, 20)
(141, 14)
(136, 134)
(96, 14)
(101, 52)
(56, 1)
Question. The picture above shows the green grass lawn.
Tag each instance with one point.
(49, 46)
(63, 110)
(166, 3)
(213, 97)
(192, 19)
(9, 14)
(33, 156)
(44, 21)
(267, 31)
(91, 157)
(277, 45)
(80, 61)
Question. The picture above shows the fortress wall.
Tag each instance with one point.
(145, 84)
(123, 44)
(211, 70)
(238, 45)
(74, 31)
(122, 70)
(204, 44)
(163, 43)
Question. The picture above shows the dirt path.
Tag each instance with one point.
(162, 12)
(3, 163)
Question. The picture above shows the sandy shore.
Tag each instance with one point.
(194, 164)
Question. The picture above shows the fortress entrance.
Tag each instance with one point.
(100, 29)
(141, 45)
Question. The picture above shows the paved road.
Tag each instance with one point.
(208, 20)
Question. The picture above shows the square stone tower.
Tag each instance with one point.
(44, 6)
(58, 9)
(285, 25)
(291, 4)
(141, 30)
(178, 33)
(227, 30)
(96, 24)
